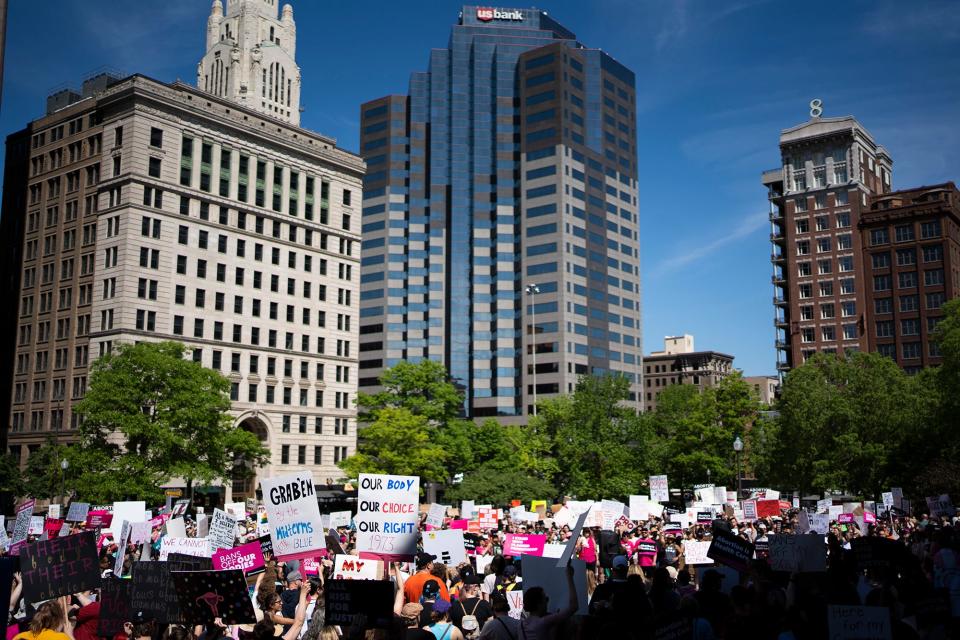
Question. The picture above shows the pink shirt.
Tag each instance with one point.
(588, 552)
(647, 552)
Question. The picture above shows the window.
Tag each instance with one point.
(803, 269)
(882, 283)
(824, 266)
(933, 277)
(156, 137)
(827, 311)
(806, 312)
(823, 245)
(820, 201)
(911, 350)
(930, 229)
(907, 279)
(884, 329)
(849, 332)
(935, 300)
(887, 350)
(800, 204)
(905, 233)
(883, 305)
(807, 334)
(845, 264)
(153, 169)
(285, 454)
(178, 325)
(880, 260)
(843, 220)
(933, 253)
(841, 197)
(826, 288)
(879, 236)
(909, 303)
(803, 226)
(803, 247)
(806, 290)
(844, 242)
(906, 257)
(828, 333)
(848, 309)
(910, 327)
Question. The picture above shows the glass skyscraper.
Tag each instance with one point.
(500, 218)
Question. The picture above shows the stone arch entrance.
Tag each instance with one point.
(246, 479)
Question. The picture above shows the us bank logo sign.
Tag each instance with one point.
(486, 14)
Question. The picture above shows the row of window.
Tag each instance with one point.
(825, 245)
(908, 327)
(907, 257)
(820, 200)
(825, 266)
(826, 288)
(340, 425)
(339, 453)
(822, 223)
(909, 303)
(906, 233)
(828, 333)
(44, 330)
(65, 300)
(57, 389)
(908, 280)
(236, 335)
(909, 350)
(38, 423)
(828, 310)
(341, 399)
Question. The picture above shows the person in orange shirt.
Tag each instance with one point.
(413, 587)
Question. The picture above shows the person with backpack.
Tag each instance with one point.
(470, 612)
(501, 626)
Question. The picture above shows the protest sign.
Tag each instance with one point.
(98, 519)
(340, 519)
(704, 517)
(21, 527)
(78, 511)
(563, 517)
(703, 493)
(61, 566)
(467, 509)
(459, 524)
(835, 511)
(488, 517)
(345, 599)
(387, 516)
(176, 528)
(639, 509)
(247, 557)
(941, 506)
(612, 510)
(179, 507)
(435, 515)
(237, 509)
(357, 568)
(659, 490)
(53, 511)
(266, 545)
(572, 542)
(749, 510)
(152, 590)
(198, 547)
(696, 552)
(553, 550)
(682, 520)
(447, 545)
(803, 554)
(205, 596)
(132, 511)
(536, 504)
(887, 499)
(470, 542)
(873, 552)
(544, 572)
(820, 522)
(291, 504)
(517, 545)
(35, 528)
(121, 549)
(823, 506)
(140, 532)
(858, 623)
(730, 550)
(223, 530)
(114, 606)
(203, 525)
(768, 508)
(515, 600)
(672, 626)
(720, 495)
(897, 497)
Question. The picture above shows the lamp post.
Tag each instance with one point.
(532, 291)
(64, 465)
(738, 448)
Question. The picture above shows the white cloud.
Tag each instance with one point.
(747, 226)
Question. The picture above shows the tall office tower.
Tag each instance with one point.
(500, 216)
(250, 57)
(163, 212)
(830, 168)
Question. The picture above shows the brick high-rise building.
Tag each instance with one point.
(911, 256)
(680, 363)
(830, 168)
(500, 216)
(148, 211)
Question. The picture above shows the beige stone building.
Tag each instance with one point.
(680, 363)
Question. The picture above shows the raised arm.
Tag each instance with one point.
(300, 615)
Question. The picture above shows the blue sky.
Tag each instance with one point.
(716, 82)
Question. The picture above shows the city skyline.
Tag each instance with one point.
(699, 105)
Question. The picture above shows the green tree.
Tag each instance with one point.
(42, 477)
(423, 388)
(151, 414)
(398, 442)
(493, 485)
(11, 482)
(599, 445)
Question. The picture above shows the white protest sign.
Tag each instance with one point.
(720, 495)
(515, 600)
(482, 562)
(467, 509)
(572, 542)
(656, 509)
(53, 511)
(435, 515)
(659, 490)
(639, 509)
(553, 550)
(198, 547)
(696, 551)
(176, 528)
(579, 506)
(529, 516)
(823, 506)
(354, 568)
(612, 510)
(834, 511)
(140, 532)
(887, 499)
(681, 519)
(544, 572)
(820, 522)
(223, 530)
(704, 494)
(446, 545)
(203, 525)
(941, 506)
(858, 623)
(387, 515)
(897, 497)
(121, 549)
(563, 517)
(803, 523)
(237, 509)
(291, 504)
(36, 526)
(78, 511)
(749, 510)
(800, 553)
(127, 512)
(340, 519)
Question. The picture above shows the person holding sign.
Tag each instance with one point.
(540, 625)
(413, 587)
(50, 622)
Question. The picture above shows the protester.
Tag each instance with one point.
(440, 625)
(413, 587)
(50, 622)
(470, 611)
(412, 627)
(501, 626)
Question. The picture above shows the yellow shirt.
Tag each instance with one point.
(45, 634)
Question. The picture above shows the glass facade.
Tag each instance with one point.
(444, 263)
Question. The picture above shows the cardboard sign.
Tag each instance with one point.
(551, 550)
(61, 566)
(749, 510)
(572, 541)
(612, 510)
(459, 524)
(98, 519)
(78, 511)
(793, 553)
(515, 600)
(387, 516)
(467, 508)
(180, 507)
(730, 550)
(247, 557)
(768, 508)
(140, 532)
(345, 599)
(176, 528)
(659, 490)
(639, 509)
(823, 506)
(21, 526)
(357, 568)
(544, 572)
(237, 509)
(518, 545)
(941, 506)
(294, 514)
(128, 512)
(223, 530)
(820, 522)
(859, 623)
(35, 528)
(447, 545)
(340, 519)
(696, 551)
(198, 547)
(121, 549)
(704, 517)
(435, 515)
(114, 606)
(207, 595)
(887, 499)
(488, 518)
(471, 542)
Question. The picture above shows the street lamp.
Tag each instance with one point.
(738, 448)
(532, 291)
(64, 465)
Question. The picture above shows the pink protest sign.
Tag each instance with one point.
(98, 519)
(460, 524)
(517, 545)
(869, 517)
(845, 518)
(247, 557)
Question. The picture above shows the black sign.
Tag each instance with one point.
(762, 549)
(114, 606)
(704, 517)
(152, 596)
(266, 546)
(333, 543)
(872, 552)
(184, 562)
(207, 595)
(8, 567)
(346, 598)
(470, 542)
(61, 566)
(730, 550)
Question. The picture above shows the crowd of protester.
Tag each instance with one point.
(638, 585)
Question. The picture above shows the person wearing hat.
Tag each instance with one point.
(715, 605)
(410, 614)
(603, 595)
(507, 580)
(470, 611)
(440, 625)
(413, 587)
(289, 598)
